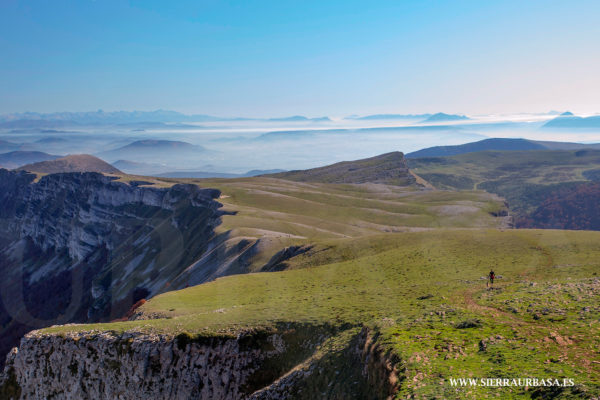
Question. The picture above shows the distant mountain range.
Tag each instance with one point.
(100, 117)
(308, 133)
(568, 120)
(441, 117)
(426, 118)
(176, 120)
(389, 116)
(299, 118)
(498, 144)
(33, 120)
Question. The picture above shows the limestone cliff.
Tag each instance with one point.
(104, 366)
(82, 247)
(296, 362)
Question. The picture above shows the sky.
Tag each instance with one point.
(275, 58)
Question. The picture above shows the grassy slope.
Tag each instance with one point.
(279, 213)
(545, 166)
(72, 163)
(377, 281)
(522, 177)
(350, 210)
(390, 168)
(375, 254)
(497, 144)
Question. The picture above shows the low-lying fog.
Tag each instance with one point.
(238, 146)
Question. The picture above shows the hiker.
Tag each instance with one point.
(492, 276)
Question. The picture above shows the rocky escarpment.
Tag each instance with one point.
(104, 366)
(349, 365)
(78, 212)
(82, 247)
(299, 362)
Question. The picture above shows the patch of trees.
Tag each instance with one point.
(567, 207)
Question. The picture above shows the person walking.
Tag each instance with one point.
(491, 277)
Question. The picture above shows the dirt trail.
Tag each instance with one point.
(576, 357)
(472, 305)
(513, 320)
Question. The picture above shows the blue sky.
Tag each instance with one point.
(273, 58)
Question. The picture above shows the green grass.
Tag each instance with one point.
(334, 210)
(328, 211)
(279, 213)
(408, 264)
(524, 178)
(377, 281)
(534, 166)
(387, 168)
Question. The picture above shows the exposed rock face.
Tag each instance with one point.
(361, 370)
(80, 247)
(279, 364)
(78, 212)
(103, 366)
(379, 366)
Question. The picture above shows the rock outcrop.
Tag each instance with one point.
(297, 362)
(82, 247)
(132, 366)
(78, 212)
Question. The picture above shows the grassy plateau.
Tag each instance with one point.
(409, 264)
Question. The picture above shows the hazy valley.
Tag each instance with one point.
(154, 143)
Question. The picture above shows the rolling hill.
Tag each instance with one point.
(482, 145)
(533, 182)
(158, 145)
(155, 151)
(498, 144)
(16, 159)
(388, 168)
(6, 146)
(72, 163)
